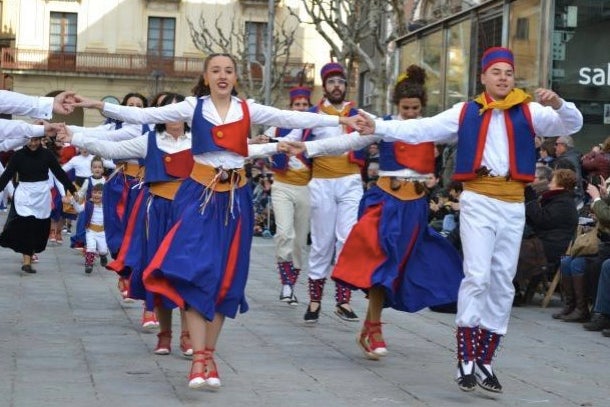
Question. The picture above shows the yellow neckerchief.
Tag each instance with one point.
(515, 97)
(332, 110)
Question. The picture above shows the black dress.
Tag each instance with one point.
(23, 231)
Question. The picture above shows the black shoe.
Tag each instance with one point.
(487, 380)
(346, 314)
(311, 317)
(28, 269)
(606, 333)
(88, 269)
(466, 382)
(103, 260)
(598, 322)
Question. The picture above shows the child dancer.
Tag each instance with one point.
(93, 216)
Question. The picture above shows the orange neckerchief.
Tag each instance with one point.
(515, 97)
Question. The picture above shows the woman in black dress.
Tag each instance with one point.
(27, 227)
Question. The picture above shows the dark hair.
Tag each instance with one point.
(97, 158)
(136, 95)
(168, 99)
(411, 85)
(154, 101)
(97, 187)
(200, 88)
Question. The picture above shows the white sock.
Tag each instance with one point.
(467, 367)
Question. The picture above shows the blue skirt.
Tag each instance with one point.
(118, 200)
(131, 254)
(156, 224)
(203, 260)
(392, 246)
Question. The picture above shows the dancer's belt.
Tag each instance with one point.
(131, 169)
(165, 190)
(219, 179)
(96, 228)
(402, 188)
(501, 188)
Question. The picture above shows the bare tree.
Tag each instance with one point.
(213, 37)
(366, 30)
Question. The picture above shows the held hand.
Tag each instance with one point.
(291, 147)
(259, 139)
(64, 134)
(50, 129)
(81, 101)
(353, 122)
(547, 97)
(62, 103)
(367, 124)
(66, 199)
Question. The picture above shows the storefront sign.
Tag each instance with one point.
(594, 76)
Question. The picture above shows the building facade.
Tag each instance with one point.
(557, 44)
(105, 49)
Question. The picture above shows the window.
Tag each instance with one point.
(257, 40)
(523, 29)
(62, 37)
(161, 36)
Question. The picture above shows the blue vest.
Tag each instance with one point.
(472, 133)
(279, 162)
(206, 135)
(155, 167)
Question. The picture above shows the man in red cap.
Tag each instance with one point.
(335, 190)
(290, 200)
(495, 159)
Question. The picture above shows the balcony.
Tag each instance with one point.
(98, 63)
(102, 64)
(257, 3)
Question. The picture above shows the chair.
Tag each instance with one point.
(552, 287)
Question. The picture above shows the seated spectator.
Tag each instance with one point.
(569, 157)
(547, 153)
(553, 219)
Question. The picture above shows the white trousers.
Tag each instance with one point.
(96, 241)
(491, 232)
(334, 211)
(291, 210)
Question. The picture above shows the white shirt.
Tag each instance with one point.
(82, 192)
(23, 105)
(183, 111)
(138, 147)
(81, 165)
(444, 127)
(10, 129)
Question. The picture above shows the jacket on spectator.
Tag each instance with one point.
(554, 220)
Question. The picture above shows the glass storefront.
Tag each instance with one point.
(581, 64)
(569, 54)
